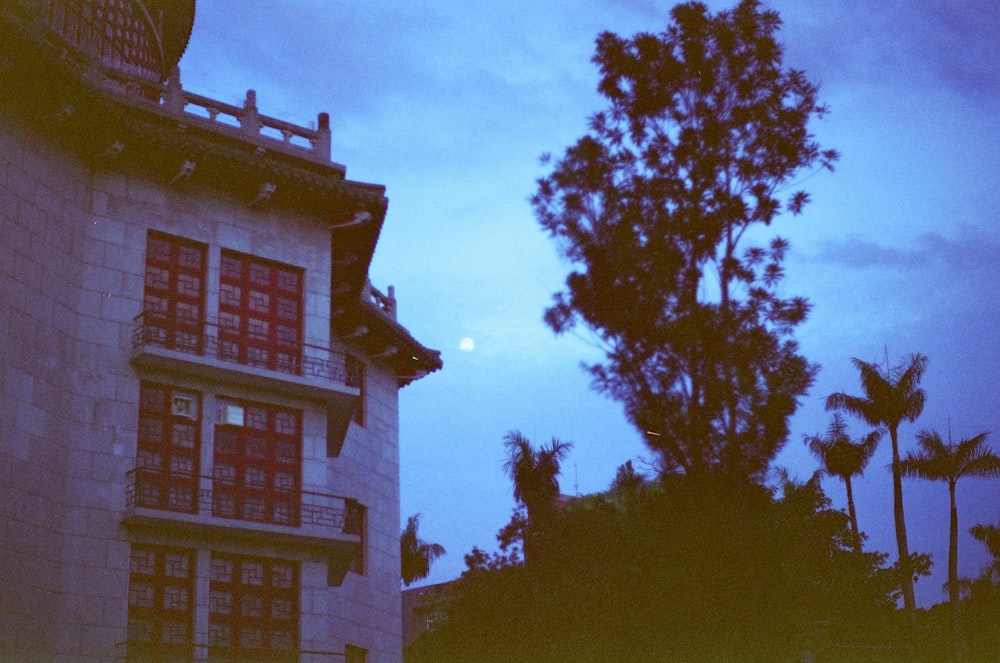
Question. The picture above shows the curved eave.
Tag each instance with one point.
(171, 20)
(388, 343)
(178, 21)
(109, 130)
(351, 251)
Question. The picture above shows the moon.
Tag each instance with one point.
(466, 345)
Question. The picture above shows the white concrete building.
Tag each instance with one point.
(199, 448)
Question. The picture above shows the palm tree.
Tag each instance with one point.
(416, 555)
(937, 461)
(841, 457)
(534, 475)
(890, 396)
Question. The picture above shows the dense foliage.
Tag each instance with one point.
(656, 208)
(705, 131)
(687, 569)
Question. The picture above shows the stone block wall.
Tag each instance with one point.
(72, 256)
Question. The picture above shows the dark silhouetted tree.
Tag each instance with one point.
(534, 474)
(949, 462)
(980, 609)
(627, 482)
(989, 536)
(705, 133)
(416, 555)
(844, 458)
(685, 571)
(890, 397)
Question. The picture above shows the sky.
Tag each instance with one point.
(451, 104)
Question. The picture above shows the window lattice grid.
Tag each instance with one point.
(261, 304)
(174, 292)
(253, 604)
(168, 448)
(257, 464)
(160, 595)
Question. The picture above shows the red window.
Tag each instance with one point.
(174, 298)
(260, 313)
(168, 449)
(160, 603)
(253, 607)
(257, 464)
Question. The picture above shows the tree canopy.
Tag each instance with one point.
(416, 555)
(705, 133)
(690, 568)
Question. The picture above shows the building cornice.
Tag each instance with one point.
(180, 139)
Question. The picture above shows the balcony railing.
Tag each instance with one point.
(234, 499)
(144, 651)
(225, 344)
(135, 81)
(384, 302)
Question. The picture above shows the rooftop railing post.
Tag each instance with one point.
(174, 99)
(322, 145)
(249, 119)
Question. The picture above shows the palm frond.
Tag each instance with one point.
(862, 408)
(869, 443)
(909, 372)
(989, 536)
(976, 458)
(913, 404)
(874, 382)
(937, 460)
(890, 395)
(519, 464)
(534, 473)
(932, 461)
(838, 454)
(416, 555)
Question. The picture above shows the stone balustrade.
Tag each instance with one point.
(255, 126)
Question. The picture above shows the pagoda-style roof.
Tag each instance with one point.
(142, 38)
(115, 120)
(177, 22)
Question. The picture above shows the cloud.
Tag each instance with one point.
(972, 249)
(931, 44)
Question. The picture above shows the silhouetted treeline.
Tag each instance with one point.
(688, 569)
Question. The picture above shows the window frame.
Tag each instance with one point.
(168, 278)
(159, 612)
(263, 597)
(261, 318)
(233, 445)
(161, 485)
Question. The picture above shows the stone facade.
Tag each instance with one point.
(80, 498)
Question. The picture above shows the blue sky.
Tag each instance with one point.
(451, 104)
